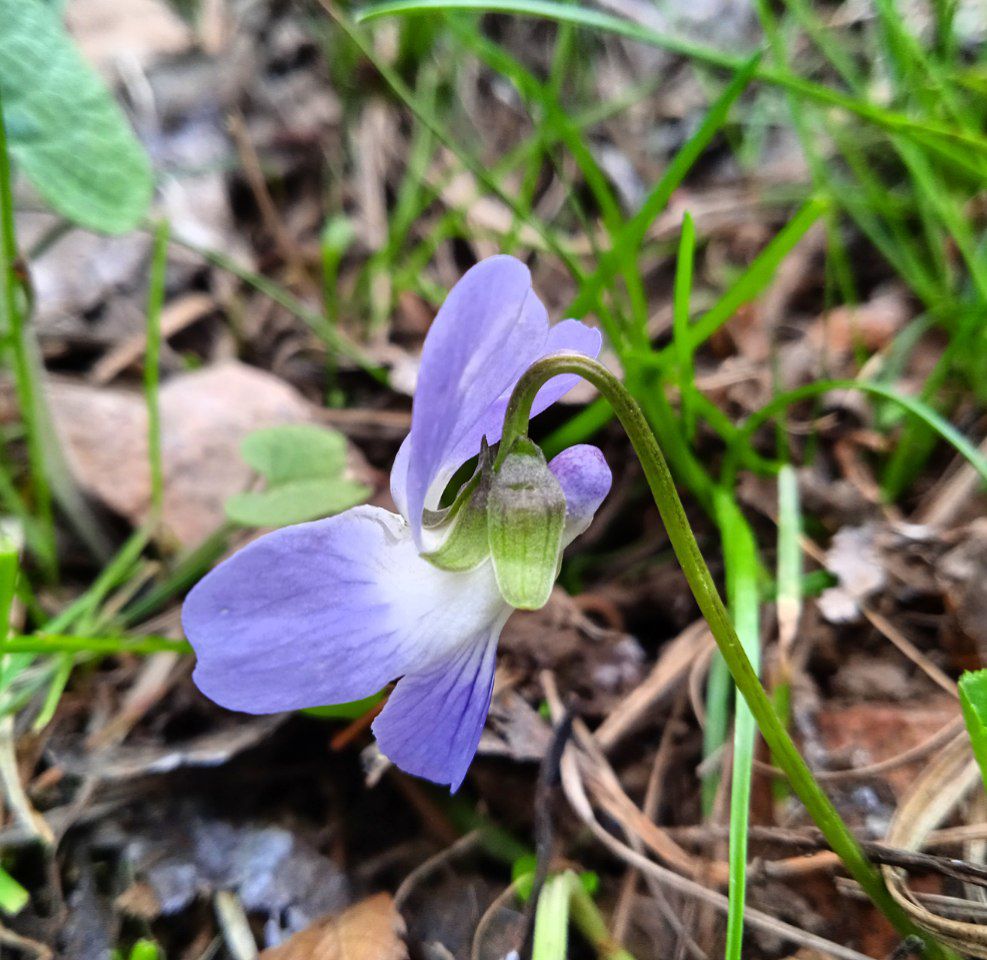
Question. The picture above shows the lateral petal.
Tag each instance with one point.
(329, 612)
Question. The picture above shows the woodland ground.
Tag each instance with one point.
(325, 183)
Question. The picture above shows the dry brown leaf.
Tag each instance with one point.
(204, 416)
(870, 325)
(138, 31)
(370, 930)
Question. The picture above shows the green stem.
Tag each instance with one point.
(62, 643)
(819, 806)
(152, 365)
(563, 898)
(9, 566)
(590, 923)
(12, 330)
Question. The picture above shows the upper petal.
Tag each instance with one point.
(490, 329)
(432, 722)
(329, 612)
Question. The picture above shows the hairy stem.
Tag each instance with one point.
(783, 749)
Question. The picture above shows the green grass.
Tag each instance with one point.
(741, 563)
(16, 348)
(790, 588)
(152, 364)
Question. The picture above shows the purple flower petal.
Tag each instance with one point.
(585, 479)
(490, 329)
(431, 724)
(329, 612)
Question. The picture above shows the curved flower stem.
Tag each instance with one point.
(783, 749)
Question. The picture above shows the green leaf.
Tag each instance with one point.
(525, 522)
(68, 134)
(973, 698)
(295, 452)
(740, 556)
(296, 502)
(304, 466)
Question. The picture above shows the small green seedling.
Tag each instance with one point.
(523, 874)
(304, 466)
(13, 897)
(565, 895)
(145, 950)
(142, 950)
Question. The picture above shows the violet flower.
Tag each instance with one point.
(332, 611)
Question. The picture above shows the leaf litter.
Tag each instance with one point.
(163, 807)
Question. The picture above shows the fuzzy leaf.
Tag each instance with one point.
(295, 502)
(295, 452)
(67, 133)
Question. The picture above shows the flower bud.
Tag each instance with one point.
(525, 522)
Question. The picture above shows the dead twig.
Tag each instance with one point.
(921, 750)
(464, 844)
(575, 792)
(676, 660)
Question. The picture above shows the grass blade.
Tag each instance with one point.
(680, 325)
(152, 365)
(12, 329)
(789, 592)
(973, 698)
(915, 407)
(740, 556)
(935, 134)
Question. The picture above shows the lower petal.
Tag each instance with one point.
(432, 722)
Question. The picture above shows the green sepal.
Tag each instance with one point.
(465, 545)
(525, 523)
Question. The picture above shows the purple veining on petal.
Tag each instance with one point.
(328, 612)
(432, 722)
(490, 329)
(585, 479)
